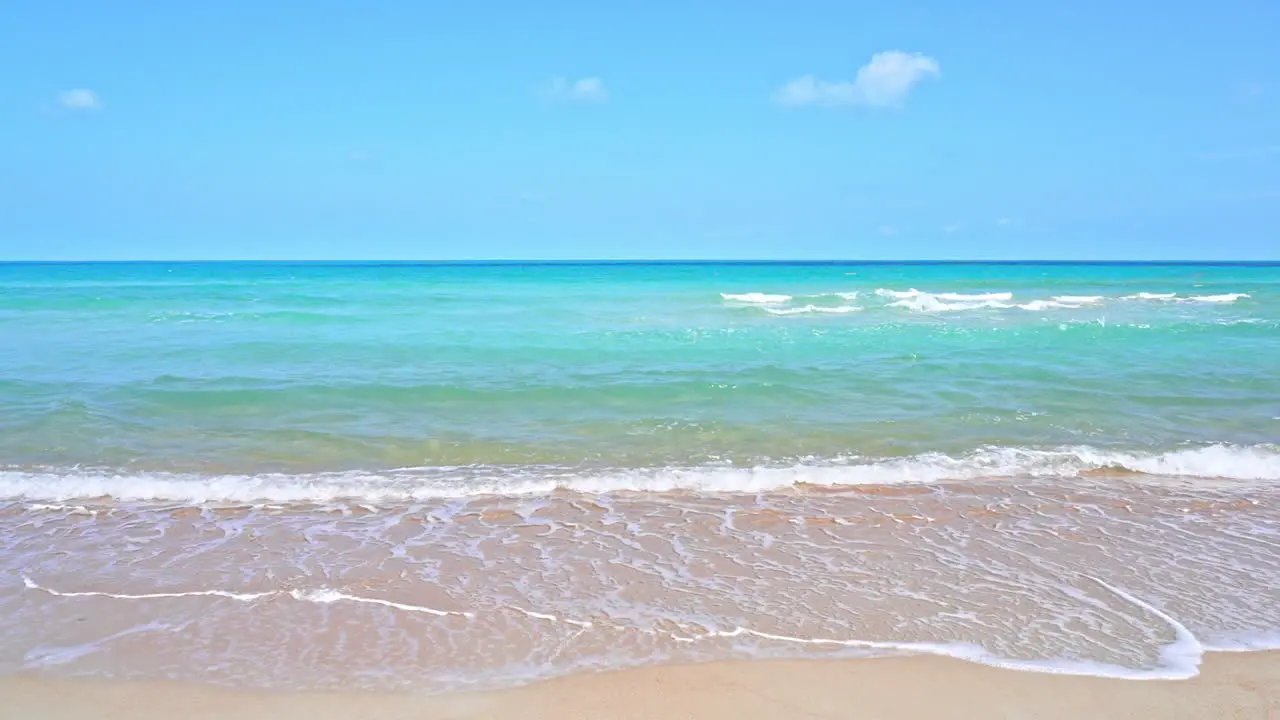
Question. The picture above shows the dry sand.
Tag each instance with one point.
(1245, 685)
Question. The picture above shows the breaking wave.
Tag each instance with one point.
(927, 302)
(756, 298)
(814, 309)
(1223, 462)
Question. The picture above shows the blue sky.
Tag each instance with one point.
(421, 130)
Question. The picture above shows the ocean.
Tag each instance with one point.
(437, 476)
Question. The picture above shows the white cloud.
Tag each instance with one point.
(885, 81)
(954, 227)
(587, 89)
(1003, 222)
(79, 99)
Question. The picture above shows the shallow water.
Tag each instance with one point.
(430, 477)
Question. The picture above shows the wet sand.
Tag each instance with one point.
(1113, 578)
(1231, 685)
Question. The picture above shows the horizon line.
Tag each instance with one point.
(652, 261)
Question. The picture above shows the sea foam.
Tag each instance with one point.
(756, 298)
(1224, 298)
(814, 310)
(919, 301)
(1219, 462)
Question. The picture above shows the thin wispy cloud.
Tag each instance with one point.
(1003, 222)
(584, 90)
(885, 81)
(79, 99)
(954, 227)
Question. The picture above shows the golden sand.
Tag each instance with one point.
(1237, 686)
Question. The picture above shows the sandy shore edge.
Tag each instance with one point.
(1231, 685)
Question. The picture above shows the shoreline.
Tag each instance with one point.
(464, 595)
(1230, 685)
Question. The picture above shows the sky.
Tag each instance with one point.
(568, 129)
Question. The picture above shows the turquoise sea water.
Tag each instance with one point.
(437, 477)
(304, 368)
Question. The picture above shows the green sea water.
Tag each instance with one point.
(217, 368)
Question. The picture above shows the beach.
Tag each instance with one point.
(1235, 686)
(621, 361)
(662, 490)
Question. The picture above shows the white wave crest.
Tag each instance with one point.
(1063, 302)
(919, 301)
(931, 303)
(897, 294)
(1173, 297)
(927, 302)
(1224, 298)
(814, 309)
(1231, 462)
(946, 296)
(1036, 305)
(756, 298)
(976, 297)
